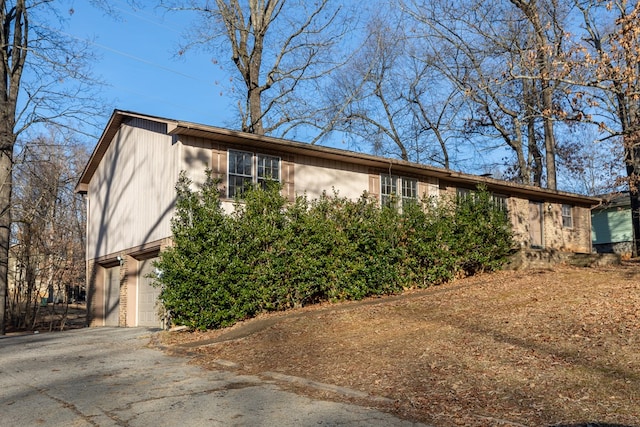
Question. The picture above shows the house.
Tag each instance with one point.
(611, 226)
(130, 178)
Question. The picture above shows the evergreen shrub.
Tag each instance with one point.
(270, 254)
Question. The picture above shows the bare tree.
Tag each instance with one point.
(608, 67)
(546, 18)
(589, 163)
(45, 79)
(389, 97)
(365, 96)
(472, 51)
(280, 48)
(502, 58)
(47, 253)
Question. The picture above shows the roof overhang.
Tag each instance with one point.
(395, 166)
(117, 117)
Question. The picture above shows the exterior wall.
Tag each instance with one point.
(314, 176)
(95, 286)
(429, 187)
(518, 211)
(612, 230)
(126, 207)
(129, 308)
(574, 239)
(625, 249)
(612, 225)
(195, 157)
(96, 273)
(122, 306)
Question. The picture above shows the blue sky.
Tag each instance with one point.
(138, 63)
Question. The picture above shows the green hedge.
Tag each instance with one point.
(273, 255)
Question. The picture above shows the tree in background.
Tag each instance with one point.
(365, 95)
(281, 49)
(607, 66)
(589, 165)
(391, 97)
(545, 55)
(45, 79)
(47, 253)
(504, 58)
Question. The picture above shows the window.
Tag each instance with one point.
(409, 191)
(241, 171)
(389, 190)
(500, 202)
(463, 193)
(567, 216)
(268, 169)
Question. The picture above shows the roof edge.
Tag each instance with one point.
(104, 141)
(175, 127)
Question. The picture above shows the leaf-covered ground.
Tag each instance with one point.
(533, 348)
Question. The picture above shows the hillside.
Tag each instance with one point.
(542, 348)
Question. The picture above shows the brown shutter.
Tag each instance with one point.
(374, 185)
(287, 176)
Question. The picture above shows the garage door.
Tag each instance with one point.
(112, 296)
(147, 296)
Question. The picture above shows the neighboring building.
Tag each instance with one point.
(611, 226)
(130, 179)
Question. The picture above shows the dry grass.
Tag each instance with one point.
(534, 348)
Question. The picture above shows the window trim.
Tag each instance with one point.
(397, 198)
(414, 189)
(257, 157)
(501, 201)
(232, 174)
(463, 192)
(566, 217)
(255, 179)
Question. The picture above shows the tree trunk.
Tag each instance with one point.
(632, 160)
(255, 112)
(517, 145)
(536, 157)
(549, 136)
(6, 163)
(535, 163)
(543, 60)
(635, 219)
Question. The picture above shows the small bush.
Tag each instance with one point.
(274, 255)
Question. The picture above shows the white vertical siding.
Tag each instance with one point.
(132, 192)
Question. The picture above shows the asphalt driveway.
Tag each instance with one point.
(109, 377)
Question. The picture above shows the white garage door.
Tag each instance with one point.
(147, 296)
(112, 296)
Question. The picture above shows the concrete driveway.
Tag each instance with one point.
(108, 377)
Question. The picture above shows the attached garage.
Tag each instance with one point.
(148, 310)
(126, 296)
(112, 296)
